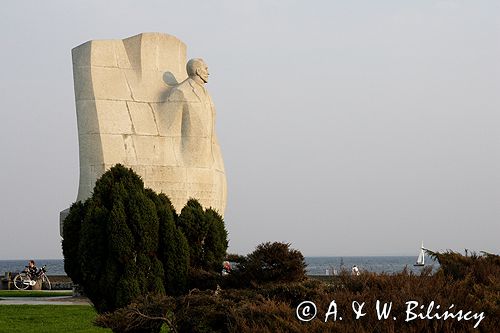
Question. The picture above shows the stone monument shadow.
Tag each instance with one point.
(170, 81)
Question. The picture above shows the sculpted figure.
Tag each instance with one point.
(192, 113)
(196, 112)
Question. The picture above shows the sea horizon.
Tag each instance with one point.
(305, 256)
(315, 265)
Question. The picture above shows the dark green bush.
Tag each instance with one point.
(126, 241)
(271, 262)
(193, 224)
(173, 249)
(71, 242)
(206, 236)
(215, 245)
(117, 242)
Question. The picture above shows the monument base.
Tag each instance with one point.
(62, 216)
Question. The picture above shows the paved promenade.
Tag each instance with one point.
(58, 300)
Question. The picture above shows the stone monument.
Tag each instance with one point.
(131, 109)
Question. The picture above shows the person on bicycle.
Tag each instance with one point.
(32, 270)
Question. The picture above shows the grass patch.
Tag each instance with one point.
(34, 293)
(48, 318)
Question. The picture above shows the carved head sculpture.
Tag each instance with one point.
(197, 70)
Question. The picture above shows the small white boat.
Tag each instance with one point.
(421, 257)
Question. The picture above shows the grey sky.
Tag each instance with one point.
(347, 127)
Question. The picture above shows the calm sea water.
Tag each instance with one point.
(54, 266)
(394, 264)
(315, 265)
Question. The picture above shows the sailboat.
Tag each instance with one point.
(421, 257)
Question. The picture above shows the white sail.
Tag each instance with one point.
(421, 256)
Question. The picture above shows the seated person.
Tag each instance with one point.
(31, 268)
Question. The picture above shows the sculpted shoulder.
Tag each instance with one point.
(183, 91)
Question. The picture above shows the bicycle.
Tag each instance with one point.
(25, 279)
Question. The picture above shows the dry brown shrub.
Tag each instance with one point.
(470, 284)
(145, 315)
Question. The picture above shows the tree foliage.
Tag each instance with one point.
(272, 262)
(216, 242)
(193, 224)
(206, 235)
(117, 241)
(71, 231)
(173, 249)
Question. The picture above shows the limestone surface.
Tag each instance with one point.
(131, 109)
